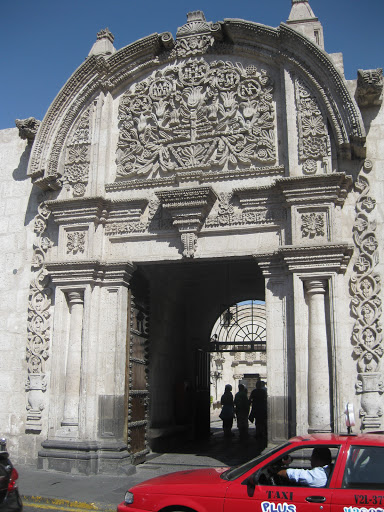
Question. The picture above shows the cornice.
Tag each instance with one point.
(94, 209)
(90, 272)
(327, 258)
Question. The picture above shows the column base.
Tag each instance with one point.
(85, 457)
(319, 430)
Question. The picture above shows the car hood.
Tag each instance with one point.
(184, 479)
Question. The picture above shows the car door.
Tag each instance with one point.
(361, 484)
(259, 490)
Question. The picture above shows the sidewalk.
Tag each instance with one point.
(47, 490)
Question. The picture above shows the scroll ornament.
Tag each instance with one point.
(37, 351)
(366, 308)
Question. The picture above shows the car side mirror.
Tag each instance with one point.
(252, 480)
(251, 483)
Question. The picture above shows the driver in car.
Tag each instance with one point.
(317, 476)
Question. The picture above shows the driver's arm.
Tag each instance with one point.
(283, 473)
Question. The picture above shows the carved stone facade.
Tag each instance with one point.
(180, 176)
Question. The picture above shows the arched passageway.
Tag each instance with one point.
(185, 301)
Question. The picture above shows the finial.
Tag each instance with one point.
(104, 43)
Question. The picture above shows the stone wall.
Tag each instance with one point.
(18, 206)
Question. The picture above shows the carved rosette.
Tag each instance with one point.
(312, 130)
(366, 307)
(196, 115)
(77, 156)
(39, 304)
(312, 225)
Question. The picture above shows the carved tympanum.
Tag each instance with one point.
(196, 114)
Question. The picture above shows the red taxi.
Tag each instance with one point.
(355, 481)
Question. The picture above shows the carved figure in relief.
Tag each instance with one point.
(214, 115)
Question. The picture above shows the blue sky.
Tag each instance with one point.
(44, 41)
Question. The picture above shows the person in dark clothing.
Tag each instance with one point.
(242, 410)
(227, 410)
(258, 403)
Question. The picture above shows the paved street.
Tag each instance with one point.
(42, 490)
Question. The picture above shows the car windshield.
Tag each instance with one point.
(236, 471)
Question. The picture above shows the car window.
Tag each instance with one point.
(299, 458)
(364, 468)
(236, 471)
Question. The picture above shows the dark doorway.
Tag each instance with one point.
(185, 300)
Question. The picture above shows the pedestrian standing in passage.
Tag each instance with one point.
(227, 410)
(242, 410)
(258, 403)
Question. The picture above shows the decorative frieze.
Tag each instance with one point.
(312, 128)
(366, 307)
(196, 114)
(39, 317)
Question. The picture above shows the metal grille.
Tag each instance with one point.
(240, 328)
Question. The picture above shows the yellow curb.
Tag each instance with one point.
(66, 505)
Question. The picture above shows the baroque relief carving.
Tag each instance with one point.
(196, 36)
(227, 214)
(28, 128)
(196, 114)
(312, 224)
(77, 156)
(369, 87)
(313, 134)
(39, 304)
(76, 242)
(366, 307)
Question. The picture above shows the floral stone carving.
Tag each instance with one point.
(313, 135)
(312, 224)
(366, 308)
(196, 114)
(77, 155)
(38, 324)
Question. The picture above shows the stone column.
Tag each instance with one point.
(319, 409)
(73, 369)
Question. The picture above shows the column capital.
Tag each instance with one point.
(315, 285)
(76, 296)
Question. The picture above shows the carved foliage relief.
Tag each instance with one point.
(313, 135)
(197, 114)
(366, 308)
(77, 155)
(38, 324)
